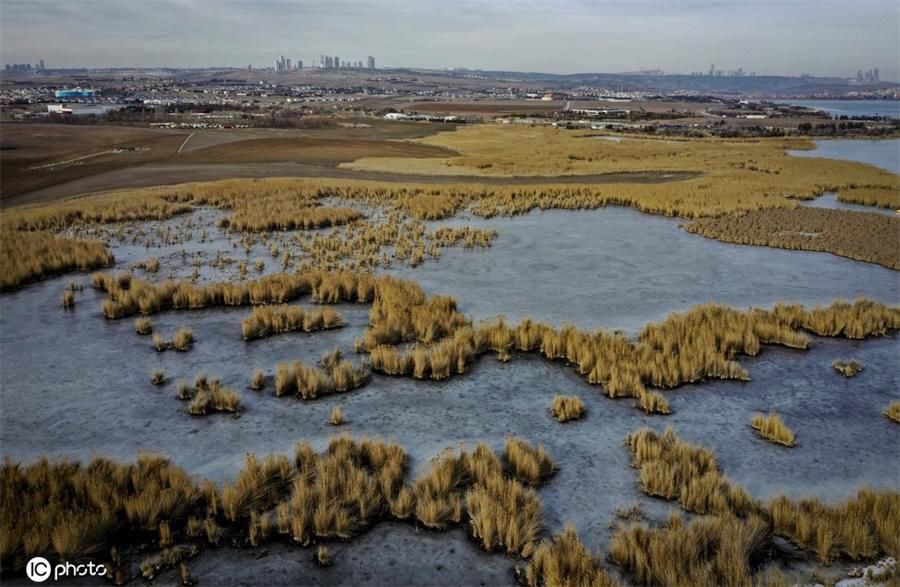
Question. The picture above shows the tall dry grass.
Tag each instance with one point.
(699, 344)
(531, 465)
(772, 428)
(502, 513)
(431, 206)
(69, 511)
(881, 197)
(208, 395)
(29, 256)
(267, 320)
(142, 297)
(874, 238)
(286, 215)
(727, 544)
(332, 375)
(563, 561)
(707, 551)
(862, 528)
(676, 470)
(893, 412)
(567, 407)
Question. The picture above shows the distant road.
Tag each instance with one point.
(185, 142)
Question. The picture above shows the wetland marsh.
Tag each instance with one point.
(419, 274)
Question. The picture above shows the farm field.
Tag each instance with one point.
(489, 355)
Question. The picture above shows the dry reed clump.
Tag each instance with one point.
(267, 320)
(721, 550)
(676, 470)
(772, 428)
(435, 206)
(29, 256)
(258, 381)
(863, 527)
(857, 235)
(208, 396)
(733, 175)
(567, 407)
(169, 558)
(147, 298)
(563, 561)
(99, 510)
(652, 402)
(158, 378)
(893, 412)
(71, 511)
(143, 326)
(334, 375)
(159, 343)
(150, 265)
(880, 196)
(182, 339)
(68, 300)
(323, 556)
(337, 416)
(341, 492)
(284, 215)
(447, 236)
(684, 348)
(502, 513)
(529, 464)
(847, 368)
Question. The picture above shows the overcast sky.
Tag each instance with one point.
(820, 37)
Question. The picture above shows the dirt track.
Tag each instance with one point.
(161, 174)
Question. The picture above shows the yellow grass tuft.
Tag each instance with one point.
(308, 382)
(323, 556)
(209, 396)
(564, 561)
(268, 320)
(529, 464)
(143, 326)
(29, 256)
(862, 528)
(567, 407)
(182, 339)
(847, 368)
(706, 551)
(258, 381)
(673, 469)
(158, 378)
(893, 412)
(337, 416)
(773, 429)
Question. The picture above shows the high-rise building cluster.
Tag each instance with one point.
(19, 67)
(284, 65)
(739, 72)
(870, 75)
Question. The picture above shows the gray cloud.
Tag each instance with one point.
(824, 37)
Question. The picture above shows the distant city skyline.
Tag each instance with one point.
(769, 37)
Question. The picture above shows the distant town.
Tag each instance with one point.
(297, 93)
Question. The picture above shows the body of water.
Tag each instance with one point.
(880, 153)
(851, 108)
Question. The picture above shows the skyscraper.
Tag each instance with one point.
(337, 61)
(370, 62)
